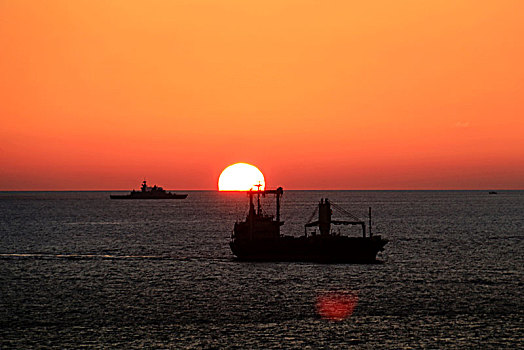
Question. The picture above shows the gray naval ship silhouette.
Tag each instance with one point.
(147, 192)
(258, 237)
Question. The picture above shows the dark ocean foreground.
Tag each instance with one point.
(80, 270)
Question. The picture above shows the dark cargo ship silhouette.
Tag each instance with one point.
(147, 192)
(258, 238)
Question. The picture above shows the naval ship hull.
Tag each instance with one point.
(140, 195)
(147, 192)
(330, 249)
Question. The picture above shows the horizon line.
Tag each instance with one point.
(291, 189)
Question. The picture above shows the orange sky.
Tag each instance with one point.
(317, 94)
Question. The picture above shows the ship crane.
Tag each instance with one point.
(324, 221)
(278, 193)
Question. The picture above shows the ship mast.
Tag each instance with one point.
(370, 234)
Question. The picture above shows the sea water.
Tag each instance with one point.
(80, 270)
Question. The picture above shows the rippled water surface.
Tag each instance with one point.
(78, 269)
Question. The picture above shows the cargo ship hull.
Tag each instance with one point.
(310, 249)
(258, 237)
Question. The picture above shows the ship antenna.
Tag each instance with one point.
(258, 197)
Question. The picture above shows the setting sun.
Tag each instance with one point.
(240, 177)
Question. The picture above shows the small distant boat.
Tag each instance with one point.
(492, 192)
(258, 238)
(147, 192)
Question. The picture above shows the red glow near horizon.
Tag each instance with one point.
(336, 306)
